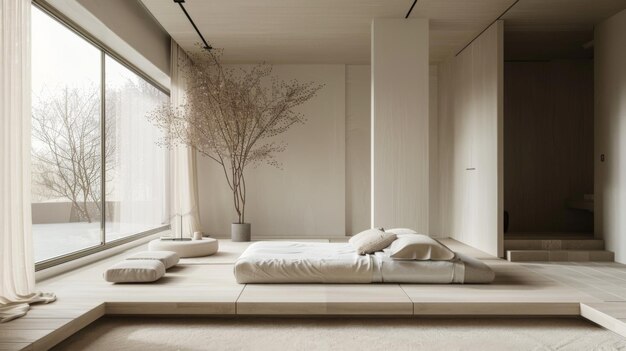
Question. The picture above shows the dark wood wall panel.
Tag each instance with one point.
(548, 144)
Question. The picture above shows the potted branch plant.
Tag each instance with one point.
(232, 115)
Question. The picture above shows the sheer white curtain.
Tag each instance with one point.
(17, 272)
(135, 181)
(183, 180)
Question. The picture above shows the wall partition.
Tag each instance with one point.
(98, 175)
(609, 129)
(471, 142)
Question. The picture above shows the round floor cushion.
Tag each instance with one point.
(190, 248)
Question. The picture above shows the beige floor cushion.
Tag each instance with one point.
(168, 258)
(135, 271)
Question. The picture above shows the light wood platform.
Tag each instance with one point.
(206, 286)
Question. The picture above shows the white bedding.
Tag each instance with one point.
(436, 272)
(297, 262)
(289, 262)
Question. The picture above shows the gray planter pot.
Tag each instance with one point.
(240, 232)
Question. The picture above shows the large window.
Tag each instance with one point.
(97, 173)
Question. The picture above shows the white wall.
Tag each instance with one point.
(357, 161)
(434, 213)
(470, 143)
(307, 197)
(610, 132)
(358, 123)
(446, 145)
(400, 128)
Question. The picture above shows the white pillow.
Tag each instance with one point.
(419, 247)
(399, 231)
(371, 240)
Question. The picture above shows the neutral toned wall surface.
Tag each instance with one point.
(400, 163)
(446, 145)
(434, 220)
(307, 197)
(470, 144)
(548, 144)
(610, 129)
(127, 28)
(358, 132)
(357, 144)
(132, 22)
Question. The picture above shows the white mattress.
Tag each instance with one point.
(297, 262)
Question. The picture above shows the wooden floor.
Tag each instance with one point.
(206, 286)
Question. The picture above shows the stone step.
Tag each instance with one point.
(553, 244)
(560, 255)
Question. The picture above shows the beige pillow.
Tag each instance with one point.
(419, 247)
(371, 240)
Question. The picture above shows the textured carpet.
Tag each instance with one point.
(154, 334)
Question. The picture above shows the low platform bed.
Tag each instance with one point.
(298, 262)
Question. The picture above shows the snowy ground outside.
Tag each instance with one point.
(57, 239)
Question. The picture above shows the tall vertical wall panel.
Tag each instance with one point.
(610, 132)
(400, 128)
(471, 144)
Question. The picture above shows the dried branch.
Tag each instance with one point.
(233, 116)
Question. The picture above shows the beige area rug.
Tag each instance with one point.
(154, 334)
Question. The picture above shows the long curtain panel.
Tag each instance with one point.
(17, 270)
(134, 185)
(183, 204)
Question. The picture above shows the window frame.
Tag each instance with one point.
(104, 51)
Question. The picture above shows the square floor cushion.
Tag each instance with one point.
(135, 271)
(168, 258)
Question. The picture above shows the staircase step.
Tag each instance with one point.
(560, 255)
(553, 244)
(549, 235)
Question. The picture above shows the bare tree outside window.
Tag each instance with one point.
(67, 150)
(77, 168)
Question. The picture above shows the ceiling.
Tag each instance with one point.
(554, 29)
(560, 15)
(338, 31)
(549, 45)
